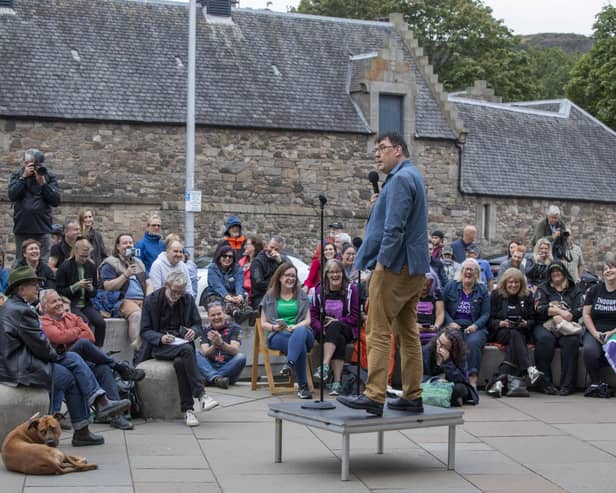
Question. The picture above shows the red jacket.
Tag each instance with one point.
(66, 330)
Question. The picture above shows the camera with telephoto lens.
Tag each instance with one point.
(515, 320)
(39, 159)
(132, 252)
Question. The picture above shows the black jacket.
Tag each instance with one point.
(99, 252)
(32, 203)
(151, 331)
(261, 271)
(573, 296)
(67, 274)
(498, 312)
(25, 351)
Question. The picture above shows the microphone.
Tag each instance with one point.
(322, 199)
(373, 176)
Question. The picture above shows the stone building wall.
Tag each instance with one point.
(270, 179)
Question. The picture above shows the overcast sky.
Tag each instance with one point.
(523, 16)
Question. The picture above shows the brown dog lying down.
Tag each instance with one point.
(31, 448)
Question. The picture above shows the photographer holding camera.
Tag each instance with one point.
(34, 191)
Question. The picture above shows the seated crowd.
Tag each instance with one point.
(536, 299)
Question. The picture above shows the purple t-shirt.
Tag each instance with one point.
(463, 312)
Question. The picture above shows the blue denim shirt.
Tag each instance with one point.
(480, 303)
(397, 230)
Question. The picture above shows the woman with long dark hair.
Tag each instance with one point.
(86, 223)
(252, 247)
(285, 318)
(341, 305)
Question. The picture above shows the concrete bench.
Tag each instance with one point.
(159, 390)
(17, 404)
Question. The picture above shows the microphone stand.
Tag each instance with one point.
(359, 324)
(321, 404)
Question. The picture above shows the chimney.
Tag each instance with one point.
(219, 8)
(6, 4)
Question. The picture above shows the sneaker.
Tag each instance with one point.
(316, 376)
(335, 388)
(534, 375)
(304, 393)
(191, 418)
(129, 373)
(112, 408)
(121, 423)
(288, 369)
(496, 390)
(205, 403)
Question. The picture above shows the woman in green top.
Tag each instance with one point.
(285, 316)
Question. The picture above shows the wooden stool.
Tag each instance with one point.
(260, 348)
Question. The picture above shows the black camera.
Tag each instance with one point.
(39, 159)
(515, 320)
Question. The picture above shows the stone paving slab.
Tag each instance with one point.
(583, 478)
(515, 428)
(513, 484)
(159, 487)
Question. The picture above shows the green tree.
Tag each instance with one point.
(552, 68)
(593, 82)
(461, 37)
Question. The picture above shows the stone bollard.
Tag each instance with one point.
(159, 390)
(17, 404)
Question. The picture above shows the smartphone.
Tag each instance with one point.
(281, 323)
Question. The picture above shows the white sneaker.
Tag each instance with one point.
(205, 402)
(534, 375)
(496, 390)
(191, 419)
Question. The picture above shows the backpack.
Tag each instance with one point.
(349, 380)
(128, 390)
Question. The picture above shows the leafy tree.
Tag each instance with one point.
(551, 68)
(593, 82)
(461, 37)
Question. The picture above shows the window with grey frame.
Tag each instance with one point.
(391, 113)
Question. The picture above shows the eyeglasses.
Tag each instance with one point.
(155, 225)
(382, 148)
(226, 256)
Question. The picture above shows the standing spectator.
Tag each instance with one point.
(192, 272)
(169, 313)
(263, 267)
(285, 318)
(4, 273)
(549, 227)
(86, 223)
(340, 240)
(234, 237)
(334, 229)
(314, 274)
(517, 260)
(600, 322)
(77, 280)
(437, 239)
(62, 250)
(31, 257)
(573, 258)
(396, 247)
(486, 271)
(252, 248)
(537, 270)
(171, 260)
(220, 360)
(459, 247)
(557, 299)
(450, 266)
(33, 190)
(341, 318)
(124, 276)
(151, 245)
(437, 266)
(467, 308)
(512, 319)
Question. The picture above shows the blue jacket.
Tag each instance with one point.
(221, 283)
(397, 230)
(150, 247)
(480, 303)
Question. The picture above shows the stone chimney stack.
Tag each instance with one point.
(480, 90)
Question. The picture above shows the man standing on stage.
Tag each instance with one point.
(395, 247)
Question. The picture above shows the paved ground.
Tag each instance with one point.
(540, 444)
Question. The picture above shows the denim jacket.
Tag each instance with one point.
(221, 283)
(397, 230)
(480, 303)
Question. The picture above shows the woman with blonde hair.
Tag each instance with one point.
(512, 318)
(467, 308)
(86, 224)
(537, 270)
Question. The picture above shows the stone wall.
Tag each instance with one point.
(270, 179)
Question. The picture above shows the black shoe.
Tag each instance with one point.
(410, 405)
(566, 391)
(121, 423)
(549, 389)
(252, 318)
(83, 439)
(221, 382)
(288, 369)
(361, 402)
(304, 393)
(112, 408)
(129, 373)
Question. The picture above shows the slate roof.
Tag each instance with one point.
(516, 150)
(120, 60)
